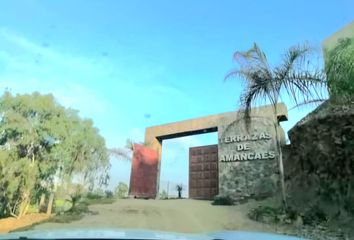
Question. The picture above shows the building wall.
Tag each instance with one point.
(248, 159)
(345, 32)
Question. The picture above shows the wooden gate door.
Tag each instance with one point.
(143, 176)
(203, 172)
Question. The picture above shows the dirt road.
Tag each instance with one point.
(11, 223)
(166, 215)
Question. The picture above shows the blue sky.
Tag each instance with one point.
(132, 64)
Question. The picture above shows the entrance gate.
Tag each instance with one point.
(203, 172)
(144, 172)
(145, 175)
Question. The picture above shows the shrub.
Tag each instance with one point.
(79, 208)
(292, 214)
(61, 205)
(121, 190)
(163, 195)
(33, 208)
(73, 214)
(264, 214)
(109, 194)
(100, 201)
(314, 216)
(339, 69)
(349, 206)
(93, 195)
(74, 200)
(222, 200)
(267, 214)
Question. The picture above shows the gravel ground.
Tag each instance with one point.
(186, 215)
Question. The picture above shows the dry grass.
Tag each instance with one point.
(11, 223)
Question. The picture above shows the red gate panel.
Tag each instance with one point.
(144, 172)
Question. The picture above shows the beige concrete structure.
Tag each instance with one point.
(345, 32)
(219, 122)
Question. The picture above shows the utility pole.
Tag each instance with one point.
(168, 187)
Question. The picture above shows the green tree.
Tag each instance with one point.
(83, 153)
(26, 139)
(295, 78)
(339, 66)
(16, 177)
(40, 142)
(121, 191)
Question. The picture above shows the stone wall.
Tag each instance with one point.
(319, 163)
(248, 159)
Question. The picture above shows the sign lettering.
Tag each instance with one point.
(244, 150)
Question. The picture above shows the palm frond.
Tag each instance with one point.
(304, 86)
(294, 77)
(120, 153)
(293, 58)
(314, 102)
(257, 89)
(253, 60)
(254, 69)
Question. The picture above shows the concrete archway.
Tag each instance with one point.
(220, 123)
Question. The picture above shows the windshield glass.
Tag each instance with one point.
(184, 117)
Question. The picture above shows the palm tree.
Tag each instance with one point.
(179, 188)
(295, 78)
